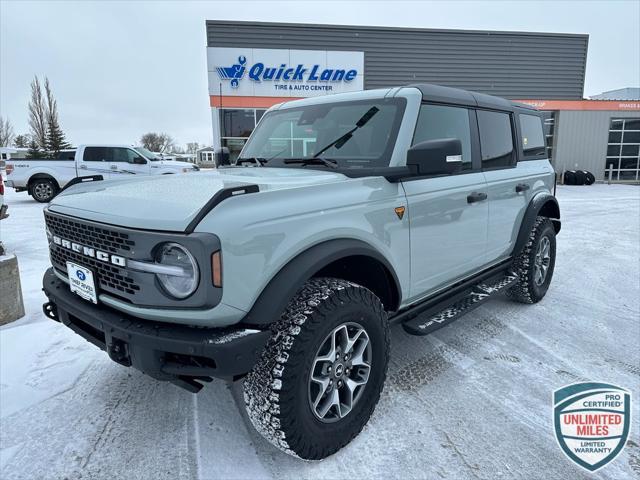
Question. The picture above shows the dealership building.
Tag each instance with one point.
(253, 65)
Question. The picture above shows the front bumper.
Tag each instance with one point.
(180, 354)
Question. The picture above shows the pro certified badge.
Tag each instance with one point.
(591, 422)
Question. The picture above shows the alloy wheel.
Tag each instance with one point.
(542, 260)
(339, 372)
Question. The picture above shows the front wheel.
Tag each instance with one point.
(322, 372)
(535, 263)
(43, 190)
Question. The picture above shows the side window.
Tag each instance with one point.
(96, 154)
(496, 139)
(123, 155)
(66, 156)
(532, 135)
(436, 121)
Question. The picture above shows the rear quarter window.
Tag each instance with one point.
(532, 135)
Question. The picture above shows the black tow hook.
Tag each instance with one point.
(50, 310)
(119, 352)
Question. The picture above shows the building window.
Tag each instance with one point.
(237, 123)
(549, 126)
(235, 127)
(623, 150)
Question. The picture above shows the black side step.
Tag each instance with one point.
(453, 308)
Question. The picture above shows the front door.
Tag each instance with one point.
(447, 214)
(125, 162)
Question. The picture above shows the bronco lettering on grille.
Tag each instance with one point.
(90, 252)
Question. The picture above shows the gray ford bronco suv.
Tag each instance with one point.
(343, 215)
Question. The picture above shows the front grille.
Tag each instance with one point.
(97, 237)
(110, 278)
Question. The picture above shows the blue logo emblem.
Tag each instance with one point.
(284, 73)
(591, 422)
(80, 274)
(234, 72)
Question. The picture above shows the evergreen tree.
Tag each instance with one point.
(21, 141)
(34, 151)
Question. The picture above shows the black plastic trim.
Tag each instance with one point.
(451, 294)
(154, 347)
(218, 198)
(535, 205)
(87, 178)
(283, 286)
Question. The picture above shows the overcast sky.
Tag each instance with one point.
(119, 69)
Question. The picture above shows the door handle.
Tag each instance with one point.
(521, 187)
(84, 167)
(476, 197)
(114, 167)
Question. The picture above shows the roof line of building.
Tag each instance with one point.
(391, 28)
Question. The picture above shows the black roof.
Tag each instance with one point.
(457, 96)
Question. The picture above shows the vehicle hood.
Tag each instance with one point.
(170, 202)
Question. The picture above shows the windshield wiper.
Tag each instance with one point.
(340, 141)
(259, 161)
(313, 161)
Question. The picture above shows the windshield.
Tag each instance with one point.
(147, 154)
(305, 132)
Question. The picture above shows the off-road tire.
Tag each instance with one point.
(276, 390)
(48, 187)
(526, 290)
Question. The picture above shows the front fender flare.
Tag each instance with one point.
(283, 286)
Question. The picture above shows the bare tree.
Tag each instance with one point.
(157, 142)
(193, 147)
(6, 132)
(55, 135)
(38, 115)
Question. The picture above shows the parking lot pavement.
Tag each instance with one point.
(472, 400)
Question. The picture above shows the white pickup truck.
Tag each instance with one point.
(44, 178)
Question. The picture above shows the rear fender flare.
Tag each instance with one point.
(543, 204)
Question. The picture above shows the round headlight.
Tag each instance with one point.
(183, 280)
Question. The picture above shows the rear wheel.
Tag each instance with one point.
(43, 190)
(321, 374)
(535, 263)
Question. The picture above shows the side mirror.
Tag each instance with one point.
(442, 156)
(139, 161)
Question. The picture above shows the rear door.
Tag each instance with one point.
(509, 188)
(447, 218)
(94, 161)
(111, 162)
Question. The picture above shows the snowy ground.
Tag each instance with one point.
(472, 400)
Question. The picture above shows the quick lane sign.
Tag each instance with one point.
(283, 73)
